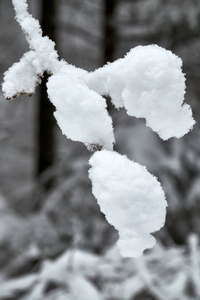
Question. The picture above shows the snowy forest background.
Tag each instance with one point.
(54, 242)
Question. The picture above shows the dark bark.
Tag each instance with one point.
(48, 18)
(110, 38)
(46, 143)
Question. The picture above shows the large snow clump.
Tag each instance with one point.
(131, 199)
(150, 84)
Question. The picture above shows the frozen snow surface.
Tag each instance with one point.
(150, 84)
(131, 199)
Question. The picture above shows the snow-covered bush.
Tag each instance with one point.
(149, 83)
(164, 274)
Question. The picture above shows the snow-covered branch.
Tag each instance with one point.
(74, 101)
(148, 82)
(23, 77)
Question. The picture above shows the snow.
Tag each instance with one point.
(80, 112)
(150, 84)
(44, 48)
(68, 271)
(21, 78)
(131, 199)
(131, 286)
(20, 7)
(72, 260)
(82, 289)
(10, 287)
(193, 241)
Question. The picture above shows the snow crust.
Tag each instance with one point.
(150, 84)
(131, 199)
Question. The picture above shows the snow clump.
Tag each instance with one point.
(80, 112)
(150, 84)
(22, 77)
(130, 197)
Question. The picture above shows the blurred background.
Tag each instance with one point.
(54, 242)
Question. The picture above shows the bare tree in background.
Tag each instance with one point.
(109, 31)
(46, 121)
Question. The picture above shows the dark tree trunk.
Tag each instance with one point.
(46, 144)
(110, 39)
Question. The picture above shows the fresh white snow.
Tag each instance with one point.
(22, 77)
(150, 84)
(131, 199)
(80, 112)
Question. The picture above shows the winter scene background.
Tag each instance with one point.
(55, 241)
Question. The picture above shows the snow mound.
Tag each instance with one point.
(131, 199)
